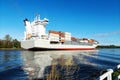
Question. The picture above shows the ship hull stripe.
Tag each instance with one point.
(61, 48)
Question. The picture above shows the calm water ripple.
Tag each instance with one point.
(56, 65)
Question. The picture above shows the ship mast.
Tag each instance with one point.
(37, 17)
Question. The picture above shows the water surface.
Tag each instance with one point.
(58, 65)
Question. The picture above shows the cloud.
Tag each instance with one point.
(107, 34)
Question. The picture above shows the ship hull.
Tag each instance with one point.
(45, 45)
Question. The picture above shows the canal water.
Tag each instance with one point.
(56, 65)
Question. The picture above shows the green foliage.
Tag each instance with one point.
(16, 43)
(8, 42)
(115, 74)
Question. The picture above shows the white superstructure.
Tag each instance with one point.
(35, 29)
(35, 37)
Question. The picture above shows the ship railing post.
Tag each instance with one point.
(118, 67)
(107, 75)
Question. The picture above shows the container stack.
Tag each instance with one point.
(67, 36)
(85, 40)
(54, 36)
(61, 37)
(73, 39)
(90, 40)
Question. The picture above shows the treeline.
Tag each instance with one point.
(108, 46)
(8, 42)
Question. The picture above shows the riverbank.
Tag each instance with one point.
(11, 49)
(110, 46)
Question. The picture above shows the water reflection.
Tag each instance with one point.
(59, 65)
(9, 60)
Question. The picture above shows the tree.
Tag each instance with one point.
(8, 42)
(16, 43)
(0, 43)
(7, 37)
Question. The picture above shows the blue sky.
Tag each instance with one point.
(98, 19)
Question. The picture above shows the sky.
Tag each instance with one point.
(96, 19)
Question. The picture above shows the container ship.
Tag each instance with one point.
(36, 38)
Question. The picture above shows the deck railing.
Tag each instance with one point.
(108, 74)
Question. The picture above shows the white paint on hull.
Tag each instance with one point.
(45, 44)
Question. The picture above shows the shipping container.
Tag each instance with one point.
(85, 39)
(90, 40)
(73, 39)
(62, 39)
(54, 32)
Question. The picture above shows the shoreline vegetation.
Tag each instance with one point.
(11, 49)
(13, 44)
(8, 43)
(107, 46)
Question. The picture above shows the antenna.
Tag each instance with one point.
(37, 17)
